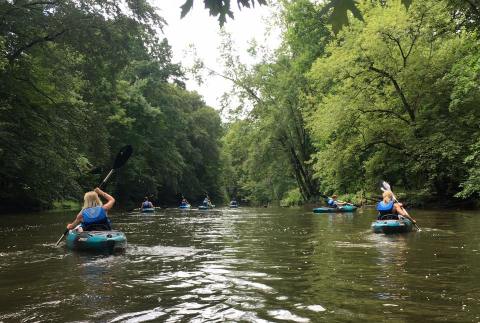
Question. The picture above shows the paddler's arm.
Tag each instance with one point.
(400, 210)
(76, 222)
(110, 200)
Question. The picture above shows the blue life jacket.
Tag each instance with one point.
(385, 208)
(331, 203)
(95, 216)
(147, 205)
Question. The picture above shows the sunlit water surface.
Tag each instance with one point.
(244, 265)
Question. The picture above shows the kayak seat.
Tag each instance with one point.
(98, 227)
(387, 217)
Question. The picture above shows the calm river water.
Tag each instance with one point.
(244, 265)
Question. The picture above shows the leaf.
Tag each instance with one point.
(339, 15)
(221, 8)
(186, 8)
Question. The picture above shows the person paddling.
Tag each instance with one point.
(146, 204)
(334, 203)
(184, 202)
(206, 202)
(94, 213)
(389, 206)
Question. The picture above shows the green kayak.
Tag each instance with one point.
(345, 208)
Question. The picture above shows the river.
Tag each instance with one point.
(244, 265)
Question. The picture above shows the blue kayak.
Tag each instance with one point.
(392, 223)
(110, 241)
(184, 206)
(148, 210)
(345, 208)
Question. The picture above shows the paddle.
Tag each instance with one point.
(386, 187)
(120, 160)
(328, 197)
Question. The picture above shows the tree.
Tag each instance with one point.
(381, 102)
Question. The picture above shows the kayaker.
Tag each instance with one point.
(94, 212)
(334, 203)
(389, 206)
(146, 204)
(206, 202)
(184, 202)
(233, 202)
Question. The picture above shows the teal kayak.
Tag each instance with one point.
(345, 208)
(148, 210)
(392, 223)
(110, 241)
(184, 206)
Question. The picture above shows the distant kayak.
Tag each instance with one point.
(148, 210)
(392, 223)
(345, 208)
(203, 207)
(184, 206)
(111, 241)
(233, 206)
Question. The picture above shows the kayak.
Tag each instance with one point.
(203, 207)
(97, 240)
(186, 206)
(345, 208)
(148, 210)
(392, 223)
(233, 206)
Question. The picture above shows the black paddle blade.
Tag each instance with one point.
(122, 156)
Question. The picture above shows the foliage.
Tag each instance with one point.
(221, 8)
(78, 80)
(292, 197)
(278, 145)
(383, 100)
(394, 97)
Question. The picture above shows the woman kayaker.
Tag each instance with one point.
(146, 204)
(389, 206)
(94, 212)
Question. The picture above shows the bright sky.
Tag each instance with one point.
(202, 30)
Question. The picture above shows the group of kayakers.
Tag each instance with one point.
(183, 204)
(94, 213)
(386, 206)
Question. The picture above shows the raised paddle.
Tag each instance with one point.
(386, 187)
(120, 160)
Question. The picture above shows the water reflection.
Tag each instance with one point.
(245, 265)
